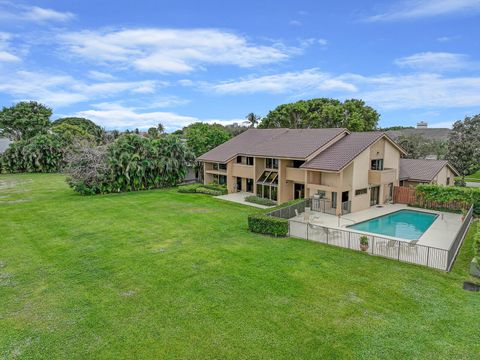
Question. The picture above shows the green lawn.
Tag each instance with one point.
(162, 275)
(473, 177)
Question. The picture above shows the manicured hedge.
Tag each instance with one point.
(446, 194)
(211, 189)
(189, 189)
(261, 223)
(259, 200)
(207, 191)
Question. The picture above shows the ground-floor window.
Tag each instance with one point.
(220, 179)
(267, 191)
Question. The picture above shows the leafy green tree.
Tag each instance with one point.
(418, 147)
(72, 134)
(153, 132)
(202, 137)
(24, 120)
(352, 114)
(85, 124)
(252, 120)
(464, 146)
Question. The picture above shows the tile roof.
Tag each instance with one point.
(421, 170)
(340, 154)
(286, 143)
(429, 133)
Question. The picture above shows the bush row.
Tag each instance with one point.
(259, 200)
(261, 223)
(210, 189)
(446, 194)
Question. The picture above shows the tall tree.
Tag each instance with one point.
(203, 137)
(252, 119)
(24, 120)
(87, 125)
(160, 128)
(352, 114)
(464, 146)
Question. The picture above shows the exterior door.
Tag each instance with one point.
(299, 191)
(374, 195)
(249, 185)
(239, 184)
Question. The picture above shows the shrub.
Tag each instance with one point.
(260, 201)
(446, 194)
(43, 153)
(189, 189)
(476, 245)
(207, 191)
(268, 225)
(217, 187)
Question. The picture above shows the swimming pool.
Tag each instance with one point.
(405, 224)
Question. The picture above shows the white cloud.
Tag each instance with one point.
(101, 76)
(295, 23)
(412, 9)
(111, 116)
(39, 14)
(414, 91)
(308, 80)
(6, 54)
(62, 90)
(18, 12)
(444, 39)
(418, 91)
(435, 61)
(172, 50)
(8, 57)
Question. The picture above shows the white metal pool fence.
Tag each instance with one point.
(406, 251)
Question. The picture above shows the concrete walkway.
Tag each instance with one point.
(239, 197)
(473, 184)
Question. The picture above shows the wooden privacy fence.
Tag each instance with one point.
(409, 196)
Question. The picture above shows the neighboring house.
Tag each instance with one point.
(417, 171)
(4, 143)
(422, 129)
(347, 171)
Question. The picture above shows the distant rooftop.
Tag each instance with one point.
(4, 142)
(429, 133)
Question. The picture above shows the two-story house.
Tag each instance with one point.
(347, 171)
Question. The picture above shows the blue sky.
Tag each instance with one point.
(131, 64)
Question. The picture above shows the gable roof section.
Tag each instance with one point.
(282, 143)
(340, 154)
(422, 170)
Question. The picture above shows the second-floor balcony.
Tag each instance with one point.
(295, 174)
(379, 177)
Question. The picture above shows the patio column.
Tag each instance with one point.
(339, 194)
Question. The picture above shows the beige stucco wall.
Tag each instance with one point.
(244, 171)
(441, 178)
(361, 165)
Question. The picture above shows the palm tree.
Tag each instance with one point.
(252, 119)
(160, 128)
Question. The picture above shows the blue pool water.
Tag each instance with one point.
(405, 224)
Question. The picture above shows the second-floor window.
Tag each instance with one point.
(377, 164)
(218, 166)
(245, 160)
(271, 163)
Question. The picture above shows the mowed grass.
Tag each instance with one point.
(163, 275)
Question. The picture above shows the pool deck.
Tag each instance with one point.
(440, 234)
